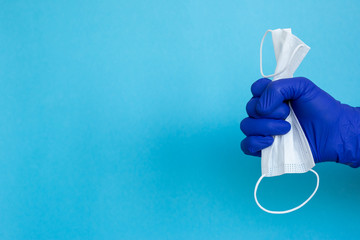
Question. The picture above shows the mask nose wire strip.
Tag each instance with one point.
(282, 70)
(290, 210)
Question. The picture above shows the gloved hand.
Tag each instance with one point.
(331, 128)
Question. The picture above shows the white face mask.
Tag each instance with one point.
(290, 153)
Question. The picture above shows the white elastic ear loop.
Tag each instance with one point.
(290, 210)
(282, 70)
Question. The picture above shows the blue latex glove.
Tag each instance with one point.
(331, 128)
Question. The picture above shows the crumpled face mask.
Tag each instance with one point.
(290, 153)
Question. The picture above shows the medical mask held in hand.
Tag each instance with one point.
(290, 153)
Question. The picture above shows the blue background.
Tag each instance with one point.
(120, 119)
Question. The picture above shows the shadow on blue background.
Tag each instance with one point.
(120, 119)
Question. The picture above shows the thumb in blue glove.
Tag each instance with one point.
(331, 128)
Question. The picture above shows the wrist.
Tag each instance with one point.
(349, 130)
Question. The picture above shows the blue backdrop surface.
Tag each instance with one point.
(120, 119)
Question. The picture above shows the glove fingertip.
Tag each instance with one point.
(286, 126)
